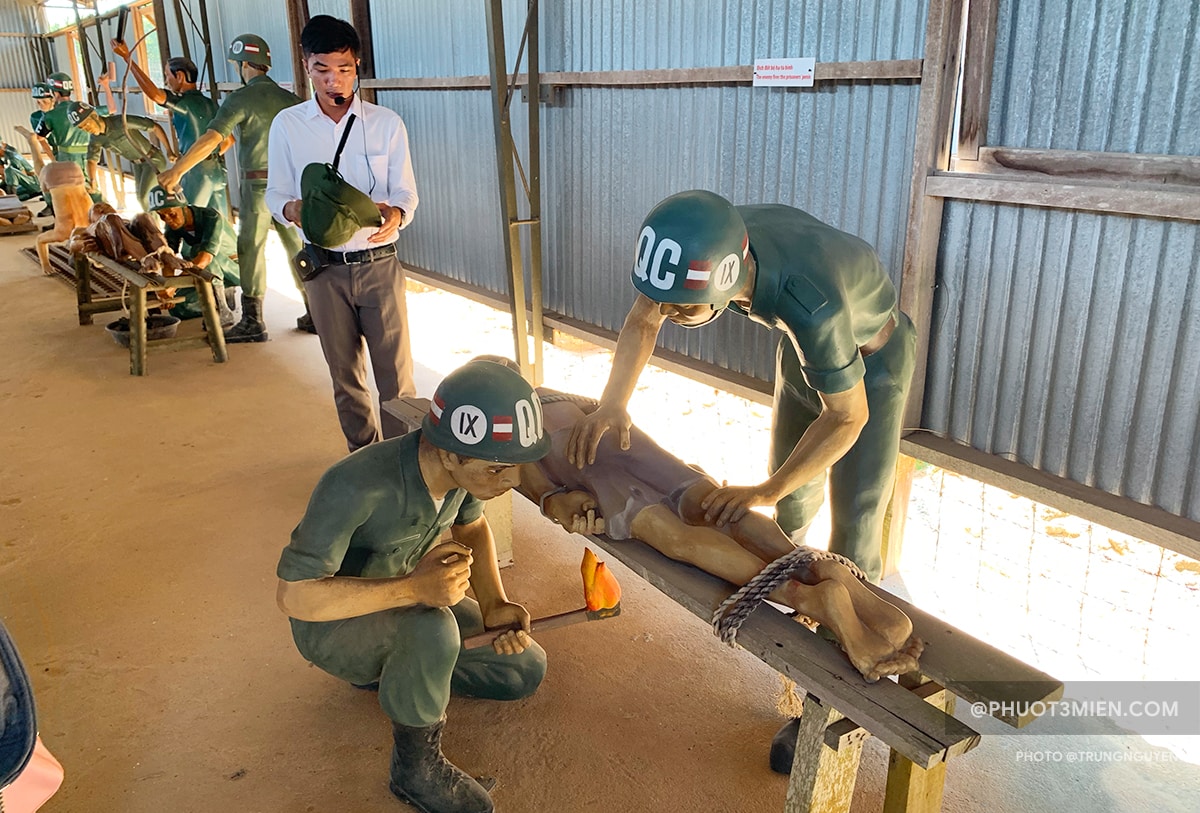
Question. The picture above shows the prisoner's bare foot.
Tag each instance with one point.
(881, 617)
(829, 602)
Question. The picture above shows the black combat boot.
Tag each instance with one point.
(425, 779)
(783, 746)
(252, 328)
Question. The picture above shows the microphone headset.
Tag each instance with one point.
(340, 100)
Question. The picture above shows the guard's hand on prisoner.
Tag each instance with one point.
(516, 618)
(443, 575)
(730, 503)
(586, 434)
(392, 218)
(576, 511)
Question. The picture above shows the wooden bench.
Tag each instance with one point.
(12, 208)
(912, 715)
(139, 286)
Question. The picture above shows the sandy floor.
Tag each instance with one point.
(140, 523)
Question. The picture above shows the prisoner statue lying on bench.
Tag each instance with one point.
(646, 493)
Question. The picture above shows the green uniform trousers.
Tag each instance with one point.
(860, 484)
(252, 240)
(416, 656)
(204, 185)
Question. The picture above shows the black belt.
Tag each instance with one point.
(877, 341)
(354, 257)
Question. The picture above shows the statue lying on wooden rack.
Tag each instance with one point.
(646, 493)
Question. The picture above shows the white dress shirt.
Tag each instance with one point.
(375, 159)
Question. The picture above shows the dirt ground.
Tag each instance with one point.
(141, 520)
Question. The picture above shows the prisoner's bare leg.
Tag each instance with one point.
(876, 635)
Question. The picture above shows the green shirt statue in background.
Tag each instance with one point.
(250, 109)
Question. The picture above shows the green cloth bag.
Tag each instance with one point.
(333, 210)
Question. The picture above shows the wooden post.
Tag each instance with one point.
(911, 789)
(212, 320)
(137, 331)
(360, 18)
(83, 287)
(897, 515)
(822, 779)
(297, 18)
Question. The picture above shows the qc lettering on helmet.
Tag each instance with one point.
(468, 424)
(652, 270)
(529, 422)
(157, 197)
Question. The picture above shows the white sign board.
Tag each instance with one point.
(784, 73)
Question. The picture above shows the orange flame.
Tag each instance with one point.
(600, 588)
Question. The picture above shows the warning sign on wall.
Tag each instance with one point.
(793, 73)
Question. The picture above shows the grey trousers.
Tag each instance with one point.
(357, 307)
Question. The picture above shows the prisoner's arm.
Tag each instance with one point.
(828, 438)
(91, 172)
(205, 144)
(152, 91)
(634, 346)
(440, 579)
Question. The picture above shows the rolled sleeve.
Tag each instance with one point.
(470, 510)
(319, 543)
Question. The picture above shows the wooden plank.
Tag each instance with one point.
(1173, 202)
(297, 18)
(1118, 166)
(891, 713)
(822, 779)
(867, 71)
(137, 332)
(974, 670)
(1147, 522)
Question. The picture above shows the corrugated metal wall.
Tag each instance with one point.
(1070, 341)
(20, 67)
(841, 150)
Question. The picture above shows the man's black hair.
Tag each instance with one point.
(181, 64)
(329, 35)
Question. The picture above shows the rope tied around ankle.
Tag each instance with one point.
(729, 617)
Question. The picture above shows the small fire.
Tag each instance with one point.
(600, 588)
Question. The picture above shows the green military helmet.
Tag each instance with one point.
(61, 82)
(41, 90)
(250, 48)
(692, 250)
(485, 410)
(79, 111)
(160, 199)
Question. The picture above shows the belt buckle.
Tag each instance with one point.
(355, 257)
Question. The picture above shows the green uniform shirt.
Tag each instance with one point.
(125, 138)
(191, 112)
(252, 109)
(371, 516)
(14, 159)
(37, 125)
(210, 232)
(823, 287)
(64, 137)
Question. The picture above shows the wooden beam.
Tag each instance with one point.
(1116, 166)
(1173, 202)
(872, 71)
(978, 57)
(1122, 514)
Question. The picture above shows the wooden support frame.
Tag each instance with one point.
(297, 18)
(822, 777)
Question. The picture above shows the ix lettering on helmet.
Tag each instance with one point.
(468, 424)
